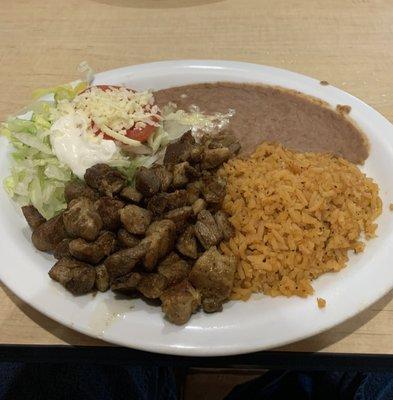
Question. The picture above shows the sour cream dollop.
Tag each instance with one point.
(76, 147)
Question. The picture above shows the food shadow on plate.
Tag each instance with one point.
(26, 233)
(159, 4)
(152, 307)
(153, 304)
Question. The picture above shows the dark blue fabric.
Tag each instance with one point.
(87, 382)
(105, 382)
(283, 385)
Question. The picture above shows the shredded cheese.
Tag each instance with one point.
(117, 110)
(120, 137)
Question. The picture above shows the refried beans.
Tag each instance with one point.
(273, 114)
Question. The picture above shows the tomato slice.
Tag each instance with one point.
(105, 88)
(141, 134)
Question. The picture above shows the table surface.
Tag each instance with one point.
(346, 42)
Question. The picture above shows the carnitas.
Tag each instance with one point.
(158, 240)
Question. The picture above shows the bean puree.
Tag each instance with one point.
(268, 113)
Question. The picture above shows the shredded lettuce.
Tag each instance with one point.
(133, 164)
(37, 177)
(177, 122)
(198, 122)
(160, 138)
(62, 92)
(86, 72)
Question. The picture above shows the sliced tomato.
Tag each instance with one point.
(136, 134)
(141, 134)
(105, 88)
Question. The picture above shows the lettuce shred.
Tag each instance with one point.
(37, 177)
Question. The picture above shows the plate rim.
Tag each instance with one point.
(229, 349)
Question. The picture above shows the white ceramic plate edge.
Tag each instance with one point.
(300, 83)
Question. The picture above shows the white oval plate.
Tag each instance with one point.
(258, 324)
